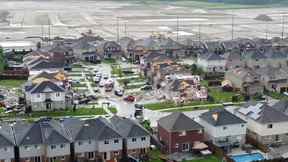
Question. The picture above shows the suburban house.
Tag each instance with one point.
(245, 80)
(223, 128)
(45, 96)
(135, 137)
(171, 47)
(233, 59)
(143, 47)
(127, 45)
(38, 61)
(179, 133)
(265, 124)
(109, 49)
(86, 43)
(192, 47)
(254, 58)
(44, 140)
(274, 79)
(7, 143)
(94, 139)
(92, 56)
(185, 88)
(211, 62)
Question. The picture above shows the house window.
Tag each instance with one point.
(52, 159)
(90, 155)
(106, 142)
(5, 149)
(277, 138)
(143, 138)
(38, 95)
(63, 158)
(224, 128)
(37, 159)
(116, 141)
(185, 147)
(270, 126)
(79, 143)
(57, 94)
(36, 147)
(53, 147)
(183, 133)
(242, 125)
(89, 142)
(62, 146)
(134, 139)
(26, 147)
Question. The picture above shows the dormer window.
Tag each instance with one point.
(106, 142)
(134, 139)
(143, 138)
(270, 126)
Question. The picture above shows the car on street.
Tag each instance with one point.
(105, 76)
(119, 92)
(139, 106)
(129, 98)
(102, 83)
(146, 88)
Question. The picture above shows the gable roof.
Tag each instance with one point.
(6, 136)
(97, 129)
(281, 106)
(127, 127)
(45, 86)
(178, 121)
(40, 132)
(262, 113)
(220, 117)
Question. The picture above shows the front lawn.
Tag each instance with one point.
(171, 104)
(109, 61)
(61, 113)
(157, 156)
(220, 96)
(9, 83)
(113, 110)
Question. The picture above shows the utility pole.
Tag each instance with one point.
(199, 32)
(117, 29)
(49, 32)
(266, 30)
(177, 28)
(125, 29)
(282, 34)
(232, 25)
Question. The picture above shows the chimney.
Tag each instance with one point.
(215, 116)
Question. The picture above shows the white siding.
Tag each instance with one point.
(58, 151)
(219, 131)
(102, 147)
(32, 151)
(7, 154)
(139, 143)
(85, 146)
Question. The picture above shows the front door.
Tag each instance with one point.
(185, 147)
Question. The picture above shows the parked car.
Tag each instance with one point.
(139, 106)
(146, 88)
(105, 76)
(119, 92)
(102, 83)
(129, 98)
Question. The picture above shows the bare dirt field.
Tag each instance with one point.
(70, 18)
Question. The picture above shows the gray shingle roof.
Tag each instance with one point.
(40, 132)
(127, 127)
(223, 117)
(178, 121)
(281, 106)
(46, 86)
(97, 129)
(6, 136)
(262, 113)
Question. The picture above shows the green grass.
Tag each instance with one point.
(109, 61)
(78, 85)
(194, 108)
(222, 96)
(61, 113)
(276, 95)
(113, 110)
(155, 156)
(170, 104)
(12, 83)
